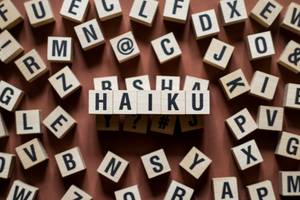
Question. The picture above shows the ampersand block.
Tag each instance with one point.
(76, 193)
(261, 190)
(233, 11)
(143, 11)
(129, 192)
(291, 20)
(21, 189)
(179, 190)
(290, 57)
(10, 15)
(289, 146)
(9, 47)
(225, 188)
(7, 162)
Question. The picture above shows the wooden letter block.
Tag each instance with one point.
(60, 49)
(31, 153)
(152, 98)
(288, 57)
(28, 122)
(265, 12)
(260, 45)
(125, 47)
(70, 162)
(289, 146)
(108, 9)
(292, 96)
(225, 188)
(143, 11)
(59, 122)
(190, 122)
(106, 83)
(197, 102)
(233, 11)
(195, 162)
(112, 167)
(7, 162)
(289, 183)
(21, 189)
(64, 82)
(218, 54)
(10, 96)
(9, 15)
(74, 10)
(291, 19)
(247, 155)
(76, 193)
(270, 118)
(3, 128)
(261, 190)
(89, 34)
(205, 24)
(100, 102)
(39, 12)
(136, 123)
(234, 84)
(131, 192)
(195, 83)
(166, 48)
(31, 65)
(9, 46)
(173, 102)
(107, 122)
(264, 85)
(124, 102)
(164, 124)
(176, 11)
(138, 83)
(167, 83)
(156, 163)
(179, 190)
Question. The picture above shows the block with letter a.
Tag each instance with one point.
(225, 188)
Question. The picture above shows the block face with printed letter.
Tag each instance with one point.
(289, 183)
(233, 11)
(176, 11)
(288, 146)
(270, 118)
(28, 122)
(261, 190)
(10, 96)
(76, 193)
(108, 9)
(128, 192)
(10, 47)
(143, 11)
(60, 49)
(225, 188)
(291, 20)
(10, 16)
(21, 189)
(179, 190)
(74, 10)
(7, 163)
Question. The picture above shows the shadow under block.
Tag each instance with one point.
(28, 122)
(7, 163)
(164, 124)
(39, 12)
(31, 153)
(291, 98)
(143, 11)
(261, 190)
(190, 122)
(112, 167)
(166, 48)
(108, 10)
(225, 188)
(107, 122)
(265, 12)
(11, 17)
(291, 19)
(176, 11)
(131, 192)
(218, 54)
(3, 128)
(136, 124)
(179, 190)
(70, 162)
(247, 155)
(74, 10)
(10, 48)
(289, 183)
(74, 193)
(288, 57)
(138, 83)
(270, 118)
(60, 49)
(59, 122)
(233, 11)
(155, 163)
(21, 189)
(288, 146)
(10, 96)
(195, 162)
(31, 65)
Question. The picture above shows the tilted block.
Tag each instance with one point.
(291, 20)
(10, 15)
(21, 189)
(3, 128)
(7, 162)
(129, 192)
(179, 190)
(74, 10)
(289, 58)
(9, 47)
(10, 96)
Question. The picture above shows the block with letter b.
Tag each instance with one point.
(108, 9)
(106, 83)
(225, 188)
(131, 192)
(21, 189)
(261, 190)
(3, 128)
(270, 118)
(179, 190)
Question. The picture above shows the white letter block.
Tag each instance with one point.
(31, 65)
(28, 122)
(59, 122)
(264, 85)
(112, 167)
(166, 48)
(173, 102)
(149, 102)
(270, 118)
(76, 193)
(289, 58)
(89, 34)
(10, 15)
(265, 12)
(124, 102)
(39, 12)
(195, 162)
(291, 20)
(218, 54)
(156, 163)
(70, 162)
(138, 83)
(167, 83)
(234, 84)
(164, 124)
(289, 183)
(143, 11)
(100, 102)
(125, 47)
(195, 83)
(176, 10)
(225, 188)
(106, 83)
(21, 189)
(10, 96)
(131, 192)
(108, 9)
(197, 102)
(261, 190)
(9, 46)
(260, 45)
(64, 82)
(60, 49)
(291, 97)
(233, 11)
(247, 155)
(179, 190)
(3, 128)
(205, 24)
(31, 153)
(7, 162)
(289, 146)
(74, 10)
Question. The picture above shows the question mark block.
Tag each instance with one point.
(190, 122)
(125, 47)
(136, 124)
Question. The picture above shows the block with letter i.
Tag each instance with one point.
(3, 128)
(290, 57)
(261, 190)
(289, 183)
(9, 15)
(21, 189)
(176, 10)
(10, 96)
(76, 193)
(270, 118)
(291, 20)
(60, 49)
(70, 162)
(233, 11)
(143, 11)
(179, 190)
(28, 122)
(7, 162)
(129, 192)
(108, 9)
(74, 10)
(10, 48)
(291, 97)
(225, 188)
(289, 146)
